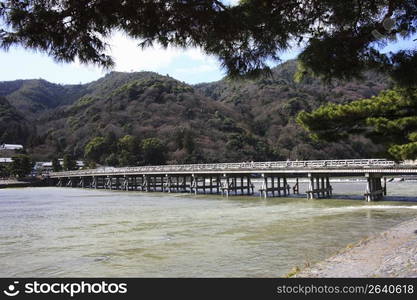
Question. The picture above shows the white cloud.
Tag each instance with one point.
(231, 2)
(129, 56)
(196, 70)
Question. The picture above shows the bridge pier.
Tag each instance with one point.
(319, 186)
(93, 184)
(374, 190)
(99, 182)
(125, 185)
(82, 182)
(71, 182)
(176, 183)
(296, 187)
(145, 183)
(275, 185)
(154, 183)
(206, 184)
(235, 184)
(107, 183)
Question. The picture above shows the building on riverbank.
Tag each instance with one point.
(9, 150)
(13, 147)
(5, 160)
(44, 167)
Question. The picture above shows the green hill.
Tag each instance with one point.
(225, 120)
(14, 128)
(270, 104)
(32, 97)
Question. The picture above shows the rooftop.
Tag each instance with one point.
(11, 147)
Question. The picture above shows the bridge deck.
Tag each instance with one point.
(354, 167)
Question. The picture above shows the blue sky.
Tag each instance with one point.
(189, 65)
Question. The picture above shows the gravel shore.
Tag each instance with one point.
(392, 253)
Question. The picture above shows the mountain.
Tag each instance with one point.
(226, 120)
(32, 97)
(148, 105)
(270, 104)
(14, 128)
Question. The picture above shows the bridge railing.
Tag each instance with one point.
(244, 166)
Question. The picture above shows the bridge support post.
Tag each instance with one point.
(319, 186)
(118, 185)
(71, 182)
(264, 188)
(184, 184)
(145, 183)
(374, 189)
(107, 183)
(125, 183)
(98, 180)
(296, 187)
(94, 182)
(225, 186)
(193, 184)
(274, 184)
(153, 179)
(81, 184)
(249, 186)
(168, 185)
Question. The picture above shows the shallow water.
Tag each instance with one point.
(73, 232)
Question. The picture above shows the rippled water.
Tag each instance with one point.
(74, 232)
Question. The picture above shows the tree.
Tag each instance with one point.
(21, 165)
(153, 151)
(56, 166)
(95, 149)
(184, 139)
(4, 171)
(112, 160)
(129, 150)
(69, 163)
(389, 119)
(341, 38)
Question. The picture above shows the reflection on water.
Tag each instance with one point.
(74, 232)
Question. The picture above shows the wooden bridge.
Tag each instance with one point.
(237, 178)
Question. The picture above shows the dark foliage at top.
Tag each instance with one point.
(341, 38)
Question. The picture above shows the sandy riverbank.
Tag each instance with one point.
(392, 253)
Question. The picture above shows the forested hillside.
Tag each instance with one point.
(270, 105)
(213, 122)
(13, 125)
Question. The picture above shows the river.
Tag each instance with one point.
(64, 232)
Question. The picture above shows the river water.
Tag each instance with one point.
(66, 232)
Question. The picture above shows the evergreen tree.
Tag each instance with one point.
(95, 149)
(129, 151)
(21, 165)
(56, 166)
(153, 152)
(4, 171)
(389, 119)
(69, 163)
